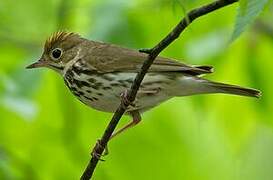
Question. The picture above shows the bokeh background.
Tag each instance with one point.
(45, 133)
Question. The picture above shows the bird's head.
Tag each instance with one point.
(59, 49)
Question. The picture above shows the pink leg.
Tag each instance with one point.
(135, 121)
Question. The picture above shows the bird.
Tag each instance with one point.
(98, 73)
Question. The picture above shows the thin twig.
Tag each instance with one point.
(152, 54)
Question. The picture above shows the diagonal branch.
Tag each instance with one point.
(152, 54)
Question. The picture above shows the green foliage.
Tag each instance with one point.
(243, 5)
(247, 13)
(45, 133)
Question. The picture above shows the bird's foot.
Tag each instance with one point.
(124, 99)
(98, 155)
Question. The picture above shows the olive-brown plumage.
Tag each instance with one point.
(98, 73)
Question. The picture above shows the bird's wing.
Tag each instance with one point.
(111, 58)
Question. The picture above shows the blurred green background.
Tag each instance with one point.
(45, 133)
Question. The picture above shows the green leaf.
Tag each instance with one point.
(247, 12)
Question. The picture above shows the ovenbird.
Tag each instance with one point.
(98, 73)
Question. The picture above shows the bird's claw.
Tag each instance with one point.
(124, 99)
(97, 155)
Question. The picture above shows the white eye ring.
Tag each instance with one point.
(56, 53)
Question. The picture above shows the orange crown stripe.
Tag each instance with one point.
(56, 37)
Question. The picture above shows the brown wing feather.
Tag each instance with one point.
(111, 58)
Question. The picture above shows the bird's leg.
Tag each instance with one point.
(124, 96)
(136, 119)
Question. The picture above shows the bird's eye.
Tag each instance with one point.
(56, 53)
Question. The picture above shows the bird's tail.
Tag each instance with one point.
(197, 85)
(233, 89)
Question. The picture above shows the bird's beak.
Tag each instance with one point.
(39, 63)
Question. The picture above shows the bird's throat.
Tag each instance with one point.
(72, 61)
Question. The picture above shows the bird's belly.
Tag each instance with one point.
(102, 91)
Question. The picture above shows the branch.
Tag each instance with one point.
(152, 54)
